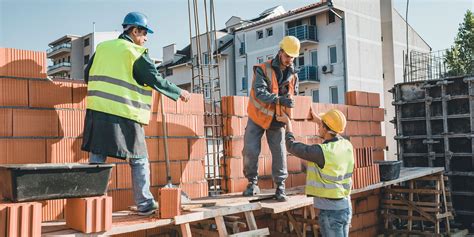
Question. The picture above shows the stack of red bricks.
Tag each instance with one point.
(363, 130)
(364, 119)
(42, 122)
(365, 214)
(365, 171)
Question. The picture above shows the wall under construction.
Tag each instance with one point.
(435, 127)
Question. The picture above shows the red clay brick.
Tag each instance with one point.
(363, 128)
(124, 176)
(302, 106)
(234, 147)
(177, 148)
(152, 145)
(6, 122)
(362, 205)
(378, 114)
(89, 215)
(376, 128)
(365, 113)
(158, 173)
(356, 142)
(122, 199)
(373, 202)
(236, 184)
(53, 209)
(12, 151)
(71, 122)
(294, 164)
(352, 128)
(234, 168)
(268, 165)
(79, 95)
(169, 104)
(27, 122)
(155, 126)
(353, 113)
(359, 98)
(298, 179)
(22, 63)
(380, 142)
(373, 99)
(180, 125)
(196, 189)
(265, 183)
(235, 105)
(13, 92)
(45, 94)
(342, 108)
(195, 105)
(170, 202)
(233, 126)
(20, 219)
(368, 141)
(192, 171)
(379, 155)
(65, 150)
(197, 148)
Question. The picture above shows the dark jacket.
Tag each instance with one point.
(119, 137)
(262, 91)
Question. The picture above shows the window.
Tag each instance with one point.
(269, 57)
(259, 34)
(314, 58)
(86, 42)
(244, 83)
(331, 17)
(68, 59)
(332, 54)
(205, 58)
(269, 31)
(299, 62)
(260, 60)
(333, 93)
(292, 24)
(315, 94)
(86, 59)
(312, 20)
(207, 92)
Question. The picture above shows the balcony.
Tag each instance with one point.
(58, 50)
(308, 74)
(307, 34)
(60, 67)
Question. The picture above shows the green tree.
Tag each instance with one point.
(460, 57)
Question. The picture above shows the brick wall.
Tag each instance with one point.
(42, 122)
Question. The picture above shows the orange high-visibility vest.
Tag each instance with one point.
(260, 112)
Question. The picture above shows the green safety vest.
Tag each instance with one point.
(334, 180)
(111, 88)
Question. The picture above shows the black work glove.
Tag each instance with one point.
(286, 101)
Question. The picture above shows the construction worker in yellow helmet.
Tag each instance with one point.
(329, 170)
(274, 82)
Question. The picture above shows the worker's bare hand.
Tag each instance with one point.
(283, 118)
(185, 95)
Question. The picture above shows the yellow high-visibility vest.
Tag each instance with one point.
(334, 180)
(111, 88)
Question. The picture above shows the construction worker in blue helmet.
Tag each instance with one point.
(121, 77)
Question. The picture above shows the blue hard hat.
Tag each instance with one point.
(137, 19)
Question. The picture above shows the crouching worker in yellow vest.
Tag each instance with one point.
(329, 172)
(121, 77)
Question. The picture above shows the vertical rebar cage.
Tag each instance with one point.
(206, 81)
(435, 128)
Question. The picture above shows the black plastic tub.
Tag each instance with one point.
(389, 170)
(34, 182)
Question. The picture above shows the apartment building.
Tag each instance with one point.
(70, 53)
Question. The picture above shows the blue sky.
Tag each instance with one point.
(32, 24)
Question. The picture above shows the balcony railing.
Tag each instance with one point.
(308, 74)
(63, 64)
(58, 47)
(304, 32)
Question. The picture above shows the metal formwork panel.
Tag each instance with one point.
(435, 127)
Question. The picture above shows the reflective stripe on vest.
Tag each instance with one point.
(334, 180)
(260, 112)
(111, 88)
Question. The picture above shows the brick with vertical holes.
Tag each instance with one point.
(89, 215)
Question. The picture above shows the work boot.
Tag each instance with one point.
(150, 211)
(280, 194)
(251, 190)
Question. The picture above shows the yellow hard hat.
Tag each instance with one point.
(291, 46)
(335, 120)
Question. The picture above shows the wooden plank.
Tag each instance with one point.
(221, 226)
(185, 230)
(211, 212)
(425, 233)
(447, 226)
(251, 220)
(293, 203)
(298, 219)
(207, 233)
(259, 232)
(429, 204)
(418, 191)
(395, 207)
(313, 217)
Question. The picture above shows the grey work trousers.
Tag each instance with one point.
(252, 147)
